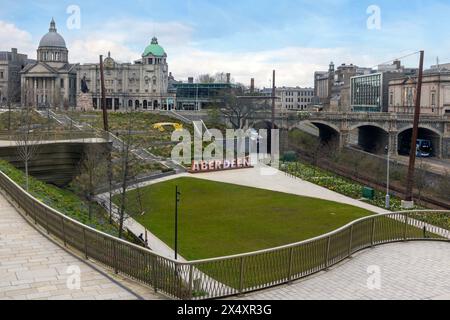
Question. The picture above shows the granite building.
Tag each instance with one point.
(11, 63)
(50, 82)
(142, 85)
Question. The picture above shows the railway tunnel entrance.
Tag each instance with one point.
(404, 141)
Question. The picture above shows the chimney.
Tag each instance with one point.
(191, 80)
(228, 77)
(14, 54)
(252, 85)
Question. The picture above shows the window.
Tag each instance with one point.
(62, 83)
(433, 99)
(1, 75)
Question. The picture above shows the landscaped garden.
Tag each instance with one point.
(62, 200)
(337, 183)
(218, 219)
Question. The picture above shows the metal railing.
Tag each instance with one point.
(225, 276)
(55, 136)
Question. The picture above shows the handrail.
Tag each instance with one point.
(231, 275)
(324, 236)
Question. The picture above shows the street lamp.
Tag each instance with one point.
(388, 197)
(177, 200)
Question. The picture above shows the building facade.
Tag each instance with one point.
(370, 92)
(142, 85)
(294, 98)
(332, 88)
(435, 98)
(198, 96)
(11, 64)
(50, 82)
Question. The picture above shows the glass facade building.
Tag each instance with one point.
(367, 93)
(197, 96)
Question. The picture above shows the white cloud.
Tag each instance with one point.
(126, 40)
(88, 51)
(295, 66)
(13, 37)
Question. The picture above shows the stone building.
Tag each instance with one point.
(50, 82)
(11, 63)
(435, 98)
(332, 88)
(294, 98)
(142, 85)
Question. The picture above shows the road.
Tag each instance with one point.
(439, 166)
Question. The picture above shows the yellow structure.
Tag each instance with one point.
(160, 126)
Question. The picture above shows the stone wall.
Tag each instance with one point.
(55, 163)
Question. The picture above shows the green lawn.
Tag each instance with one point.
(218, 219)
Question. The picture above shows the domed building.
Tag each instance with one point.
(50, 82)
(142, 85)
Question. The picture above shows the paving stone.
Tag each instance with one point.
(411, 270)
(33, 267)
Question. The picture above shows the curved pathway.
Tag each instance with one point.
(34, 267)
(399, 271)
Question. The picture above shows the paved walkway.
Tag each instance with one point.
(34, 267)
(411, 270)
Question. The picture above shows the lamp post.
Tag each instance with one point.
(388, 197)
(177, 200)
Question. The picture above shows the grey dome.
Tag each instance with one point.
(52, 38)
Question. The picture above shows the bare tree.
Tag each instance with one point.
(238, 109)
(205, 78)
(92, 172)
(27, 140)
(128, 171)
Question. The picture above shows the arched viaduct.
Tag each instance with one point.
(371, 132)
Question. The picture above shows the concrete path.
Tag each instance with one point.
(34, 267)
(411, 270)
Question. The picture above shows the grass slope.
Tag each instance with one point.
(218, 219)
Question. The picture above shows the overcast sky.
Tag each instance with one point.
(247, 38)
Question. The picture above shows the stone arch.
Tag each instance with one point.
(267, 125)
(404, 137)
(371, 124)
(328, 133)
(369, 137)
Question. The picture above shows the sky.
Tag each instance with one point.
(248, 38)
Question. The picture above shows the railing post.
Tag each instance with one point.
(191, 281)
(405, 232)
(116, 269)
(350, 242)
(241, 276)
(63, 231)
(327, 253)
(291, 262)
(154, 274)
(34, 212)
(85, 243)
(372, 239)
